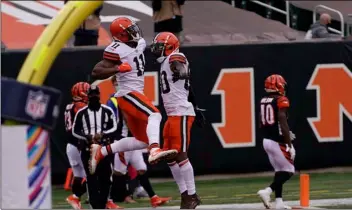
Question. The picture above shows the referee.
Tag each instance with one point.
(96, 123)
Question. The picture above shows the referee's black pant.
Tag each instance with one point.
(99, 183)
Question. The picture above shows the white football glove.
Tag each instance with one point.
(292, 136)
(292, 151)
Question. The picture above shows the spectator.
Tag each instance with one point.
(3, 46)
(88, 33)
(167, 16)
(319, 29)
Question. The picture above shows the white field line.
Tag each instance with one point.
(295, 204)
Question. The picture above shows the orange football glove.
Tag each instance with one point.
(124, 67)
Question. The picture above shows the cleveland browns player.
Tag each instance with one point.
(277, 138)
(79, 100)
(124, 58)
(175, 87)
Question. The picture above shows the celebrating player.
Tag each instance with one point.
(277, 138)
(124, 57)
(79, 100)
(133, 158)
(175, 87)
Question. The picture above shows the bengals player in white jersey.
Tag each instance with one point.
(277, 138)
(124, 58)
(175, 87)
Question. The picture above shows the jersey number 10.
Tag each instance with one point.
(267, 114)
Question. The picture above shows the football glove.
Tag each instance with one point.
(292, 151)
(200, 118)
(124, 67)
(292, 136)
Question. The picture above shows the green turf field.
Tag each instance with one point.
(242, 190)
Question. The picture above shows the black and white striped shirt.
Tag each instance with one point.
(88, 122)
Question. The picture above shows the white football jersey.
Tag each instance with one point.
(175, 92)
(133, 80)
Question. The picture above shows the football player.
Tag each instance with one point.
(175, 87)
(133, 158)
(124, 58)
(79, 100)
(277, 138)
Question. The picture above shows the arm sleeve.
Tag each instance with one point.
(77, 126)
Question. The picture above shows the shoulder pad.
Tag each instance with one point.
(177, 57)
(283, 102)
(111, 52)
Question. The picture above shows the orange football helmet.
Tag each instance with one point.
(275, 84)
(125, 30)
(164, 44)
(79, 92)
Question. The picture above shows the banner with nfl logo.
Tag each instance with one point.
(26, 171)
(25, 157)
(31, 104)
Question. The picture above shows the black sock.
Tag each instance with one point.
(144, 180)
(77, 186)
(132, 185)
(83, 186)
(279, 180)
(118, 190)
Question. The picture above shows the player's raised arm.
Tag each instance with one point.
(179, 66)
(104, 69)
(283, 105)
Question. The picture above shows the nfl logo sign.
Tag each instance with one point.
(36, 105)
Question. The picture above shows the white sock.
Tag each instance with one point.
(188, 175)
(123, 145)
(176, 173)
(153, 128)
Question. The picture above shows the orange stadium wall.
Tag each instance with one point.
(228, 81)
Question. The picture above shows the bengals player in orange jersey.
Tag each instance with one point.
(124, 58)
(277, 138)
(79, 100)
(179, 104)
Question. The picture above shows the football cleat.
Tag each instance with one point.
(74, 201)
(157, 154)
(264, 196)
(95, 157)
(111, 205)
(156, 201)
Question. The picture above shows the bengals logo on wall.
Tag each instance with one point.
(237, 126)
(333, 85)
(151, 89)
(236, 88)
